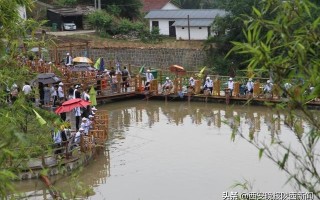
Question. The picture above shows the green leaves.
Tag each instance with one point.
(261, 150)
(284, 160)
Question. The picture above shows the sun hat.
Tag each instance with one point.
(250, 79)
(68, 54)
(230, 79)
(191, 78)
(90, 116)
(268, 81)
(208, 77)
(83, 119)
(167, 78)
(148, 70)
(61, 83)
(81, 129)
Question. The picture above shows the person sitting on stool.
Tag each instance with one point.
(167, 86)
(208, 85)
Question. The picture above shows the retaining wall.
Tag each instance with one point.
(160, 58)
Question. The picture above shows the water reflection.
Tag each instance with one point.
(210, 115)
(180, 150)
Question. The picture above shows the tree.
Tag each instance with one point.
(21, 134)
(100, 20)
(128, 8)
(286, 44)
(228, 28)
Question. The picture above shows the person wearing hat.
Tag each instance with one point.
(208, 85)
(68, 60)
(149, 78)
(249, 87)
(60, 92)
(85, 125)
(91, 121)
(230, 86)
(125, 79)
(167, 86)
(77, 92)
(267, 87)
(78, 135)
(192, 84)
(93, 110)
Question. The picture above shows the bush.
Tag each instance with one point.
(125, 26)
(151, 37)
(100, 20)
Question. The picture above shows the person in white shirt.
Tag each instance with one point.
(85, 125)
(91, 121)
(54, 94)
(267, 87)
(230, 85)
(192, 83)
(168, 85)
(68, 60)
(149, 78)
(26, 89)
(249, 86)
(77, 114)
(77, 136)
(60, 92)
(85, 96)
(208, 85)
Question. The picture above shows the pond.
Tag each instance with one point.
(178, 150)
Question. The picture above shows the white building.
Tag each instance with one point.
(184, 24)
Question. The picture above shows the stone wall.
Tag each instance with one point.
(191, 59)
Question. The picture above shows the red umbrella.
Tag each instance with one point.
(67, 106)
(178, 70)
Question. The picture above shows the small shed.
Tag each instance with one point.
(67, 15)
(184, 24)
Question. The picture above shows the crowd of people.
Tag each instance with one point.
(64, 138)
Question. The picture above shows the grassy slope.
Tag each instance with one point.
(98, 42)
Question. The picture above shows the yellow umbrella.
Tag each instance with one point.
(82, 60)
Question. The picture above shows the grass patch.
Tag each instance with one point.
(168, 42)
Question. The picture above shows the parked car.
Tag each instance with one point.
(69, 26)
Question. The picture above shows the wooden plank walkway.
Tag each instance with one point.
(196, 98)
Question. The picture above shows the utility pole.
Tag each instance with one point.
(189, 27)
(99, 4)
(95, 4)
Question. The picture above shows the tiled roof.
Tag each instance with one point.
(153, 4)
(183, 14)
